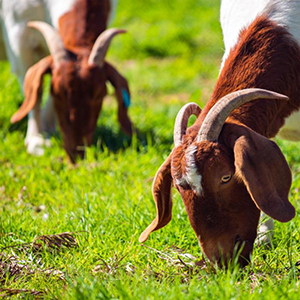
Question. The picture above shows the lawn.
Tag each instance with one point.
(170, 55)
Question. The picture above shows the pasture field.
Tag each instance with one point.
(170, 55)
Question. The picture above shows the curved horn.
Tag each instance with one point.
(216, 117)
(101, 46)
(182, 120)
(53, 40)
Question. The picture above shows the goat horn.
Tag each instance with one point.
(101, 46)
(182, 120)
(216, 117)
(53, 40)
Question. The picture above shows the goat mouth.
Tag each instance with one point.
(242, 261)
(74, 154)
(243, 249)
(240, 254)
(237, 239)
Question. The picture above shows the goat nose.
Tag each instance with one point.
(237, 239)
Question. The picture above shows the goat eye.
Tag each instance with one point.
(226, 178)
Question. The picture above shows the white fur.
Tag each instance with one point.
(265, 230)
(181, 181)
(23, 47)
(236, 15)
(192, 177)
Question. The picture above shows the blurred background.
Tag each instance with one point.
(170, 55)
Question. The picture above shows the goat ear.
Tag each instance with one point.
(123, 96)
(32, 87)
(266, 174)
(161, 190)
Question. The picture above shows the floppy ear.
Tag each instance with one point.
(32, 87)
(161, 190)
(266, 174)
(123, 96)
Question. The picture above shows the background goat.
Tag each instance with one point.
(76, 64)
(224, 166)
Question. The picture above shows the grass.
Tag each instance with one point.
(170, 55)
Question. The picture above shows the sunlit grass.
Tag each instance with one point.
(170, 55)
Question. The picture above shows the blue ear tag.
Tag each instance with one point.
(126, 98)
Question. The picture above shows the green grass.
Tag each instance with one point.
(170, 55)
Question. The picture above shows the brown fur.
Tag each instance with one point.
(81, 26)
(266, 57)
(225, 215)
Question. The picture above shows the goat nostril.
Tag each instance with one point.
(237, 239)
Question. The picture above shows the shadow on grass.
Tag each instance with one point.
(105, 137)
(115, 141)
(19, 126)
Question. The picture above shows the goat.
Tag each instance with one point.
(76, 63)
(225, 166)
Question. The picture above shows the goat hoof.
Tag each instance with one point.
(35, 145)
(264, 241)
(47, 143)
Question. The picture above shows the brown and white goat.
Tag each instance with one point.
(224, 166)
(76, 63)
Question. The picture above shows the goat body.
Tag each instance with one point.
(237, 17)
(224, 166)
(78, 82)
